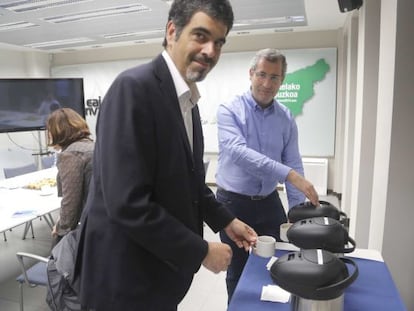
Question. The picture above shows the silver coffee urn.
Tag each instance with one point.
(315, 278)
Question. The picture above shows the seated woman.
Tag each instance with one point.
(69, 133)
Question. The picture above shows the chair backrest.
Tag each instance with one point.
(10, 172)
(48, 161)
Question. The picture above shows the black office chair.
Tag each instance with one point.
(31, 276)
(10, 172)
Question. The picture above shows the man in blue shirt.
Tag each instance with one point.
(258, 148)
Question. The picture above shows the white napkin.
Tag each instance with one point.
(275, 294)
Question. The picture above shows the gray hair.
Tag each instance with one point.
(271, 55)
(182, 11)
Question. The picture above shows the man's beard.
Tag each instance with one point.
(195, 76)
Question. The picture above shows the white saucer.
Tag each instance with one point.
(44, 193)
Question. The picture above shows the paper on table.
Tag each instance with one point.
(275, 294)
(23, 213)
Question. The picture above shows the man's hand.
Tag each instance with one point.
(303, 185)
(218, 257)
(54, 232)
(219, 254)
(241, 234)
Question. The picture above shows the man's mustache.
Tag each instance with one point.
(204, 59)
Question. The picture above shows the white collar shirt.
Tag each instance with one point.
(187, 96)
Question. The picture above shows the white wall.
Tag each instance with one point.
(397, 244)
(18, 64)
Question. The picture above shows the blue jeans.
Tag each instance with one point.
(264, 216)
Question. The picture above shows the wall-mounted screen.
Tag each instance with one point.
(26, 103)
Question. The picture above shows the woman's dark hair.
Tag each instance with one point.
(66, 126)
(182, 11)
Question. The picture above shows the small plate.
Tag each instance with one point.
(43, 193)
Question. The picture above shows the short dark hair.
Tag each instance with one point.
(66, 126)
(271, 55)
(182, 11)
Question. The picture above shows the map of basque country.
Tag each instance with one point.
(298, 86)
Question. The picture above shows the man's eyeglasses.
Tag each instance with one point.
(263, 76)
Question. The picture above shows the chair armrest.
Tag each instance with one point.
(20, 258)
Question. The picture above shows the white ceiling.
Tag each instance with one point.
(65, 25)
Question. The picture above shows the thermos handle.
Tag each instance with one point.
(341, 285)
(350, 249)
(344, 219)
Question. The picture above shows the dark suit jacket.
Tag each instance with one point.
(141, 241)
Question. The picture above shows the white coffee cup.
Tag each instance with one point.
(265, 246)
(283, 231)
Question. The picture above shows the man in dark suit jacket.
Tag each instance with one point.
(141, 234)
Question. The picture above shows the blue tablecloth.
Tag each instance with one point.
(374, 289)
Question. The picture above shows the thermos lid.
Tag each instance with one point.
(308, 210)
(313, 274)
(320, 232)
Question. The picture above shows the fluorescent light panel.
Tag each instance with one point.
(30, 5)
(106, 12)
(265, 21)
(58, 42)
(16, 25)
(132, 34)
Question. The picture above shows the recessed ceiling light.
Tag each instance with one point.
(16, 25)
(58, 42)
(24, 6)
(105, 12)
(133, 34)
(267, 21)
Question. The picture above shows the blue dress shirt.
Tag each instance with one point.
(257, 148)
